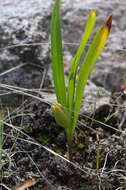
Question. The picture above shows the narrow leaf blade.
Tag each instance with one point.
(89, 61)
(72, 76)
(57, 57)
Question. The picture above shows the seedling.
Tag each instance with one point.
(66, 109)
(110, 116)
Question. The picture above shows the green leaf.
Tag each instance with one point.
(72, 76)
(57, 57)
(61, 115)
(89, 61)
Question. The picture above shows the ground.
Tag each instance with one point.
(34, 147)
(29, 158)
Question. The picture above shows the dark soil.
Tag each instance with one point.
(29, 159)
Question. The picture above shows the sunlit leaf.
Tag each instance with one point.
(89, 61)
(57, 57)
(72, 75)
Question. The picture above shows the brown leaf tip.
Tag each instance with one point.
(108, 22)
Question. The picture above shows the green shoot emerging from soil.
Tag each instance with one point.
(67, 108)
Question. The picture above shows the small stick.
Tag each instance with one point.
(98, 155)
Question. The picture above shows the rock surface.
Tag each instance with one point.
(29, 23)
(23, 22)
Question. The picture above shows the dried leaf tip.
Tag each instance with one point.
(108, 22)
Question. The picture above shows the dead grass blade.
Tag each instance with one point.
(25, 184)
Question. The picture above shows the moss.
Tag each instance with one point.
(80, 147)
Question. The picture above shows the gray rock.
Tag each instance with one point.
(23, 22)
(110, 71)
(95, 98)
